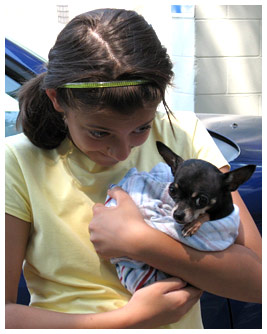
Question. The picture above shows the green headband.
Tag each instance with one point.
(122, 83)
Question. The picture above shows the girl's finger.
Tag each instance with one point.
(118, 194)
(171, 284)
(97, 207)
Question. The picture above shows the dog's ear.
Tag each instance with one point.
(172, 159)
(232, 180)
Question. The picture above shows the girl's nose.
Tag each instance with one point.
(120, 150)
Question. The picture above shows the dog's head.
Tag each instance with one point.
(198, 185)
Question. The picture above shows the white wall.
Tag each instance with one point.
(183, 57)
(229, 59)
(32, 23)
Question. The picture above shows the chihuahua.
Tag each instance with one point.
(201, 192)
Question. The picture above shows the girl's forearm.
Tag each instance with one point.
(158, 304)
(234, 272)
(20, 316)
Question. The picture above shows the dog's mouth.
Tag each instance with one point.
(186, 215)
(179, 221)
(182, 216)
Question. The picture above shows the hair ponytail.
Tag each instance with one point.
(40, 122)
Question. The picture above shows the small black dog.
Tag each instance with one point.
(199, 188)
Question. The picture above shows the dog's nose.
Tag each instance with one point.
(179, 216)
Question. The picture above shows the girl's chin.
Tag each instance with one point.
(102, 159)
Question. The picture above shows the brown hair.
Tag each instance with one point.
(100, 45)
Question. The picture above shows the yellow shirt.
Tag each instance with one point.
(55, 190)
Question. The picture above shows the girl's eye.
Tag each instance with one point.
(98, 134)
(142, 129)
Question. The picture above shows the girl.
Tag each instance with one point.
(86, 121)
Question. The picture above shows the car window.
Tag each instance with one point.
(11, 86)
(11, 105)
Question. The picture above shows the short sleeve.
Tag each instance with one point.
(16, 193)
(205, 148)
(192, 140)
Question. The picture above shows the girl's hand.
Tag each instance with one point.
(114, 230)
(161, 303)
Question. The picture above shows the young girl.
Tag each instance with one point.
(86, 121)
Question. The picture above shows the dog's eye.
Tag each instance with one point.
(172, 190)
(202, 200)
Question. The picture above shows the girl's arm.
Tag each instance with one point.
(234, 272)
(159, 304)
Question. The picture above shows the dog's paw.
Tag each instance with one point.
(190, 229)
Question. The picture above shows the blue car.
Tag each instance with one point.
(239, 139)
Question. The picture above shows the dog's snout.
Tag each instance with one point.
(179, 216)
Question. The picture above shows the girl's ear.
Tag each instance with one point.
(52, 94)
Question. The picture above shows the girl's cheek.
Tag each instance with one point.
(85, 143)
(139, 140)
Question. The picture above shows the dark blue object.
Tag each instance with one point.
(25, 58)
(243, 134)
(240, 140)
(23, 297)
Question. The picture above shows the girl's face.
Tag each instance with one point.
(107, 137)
